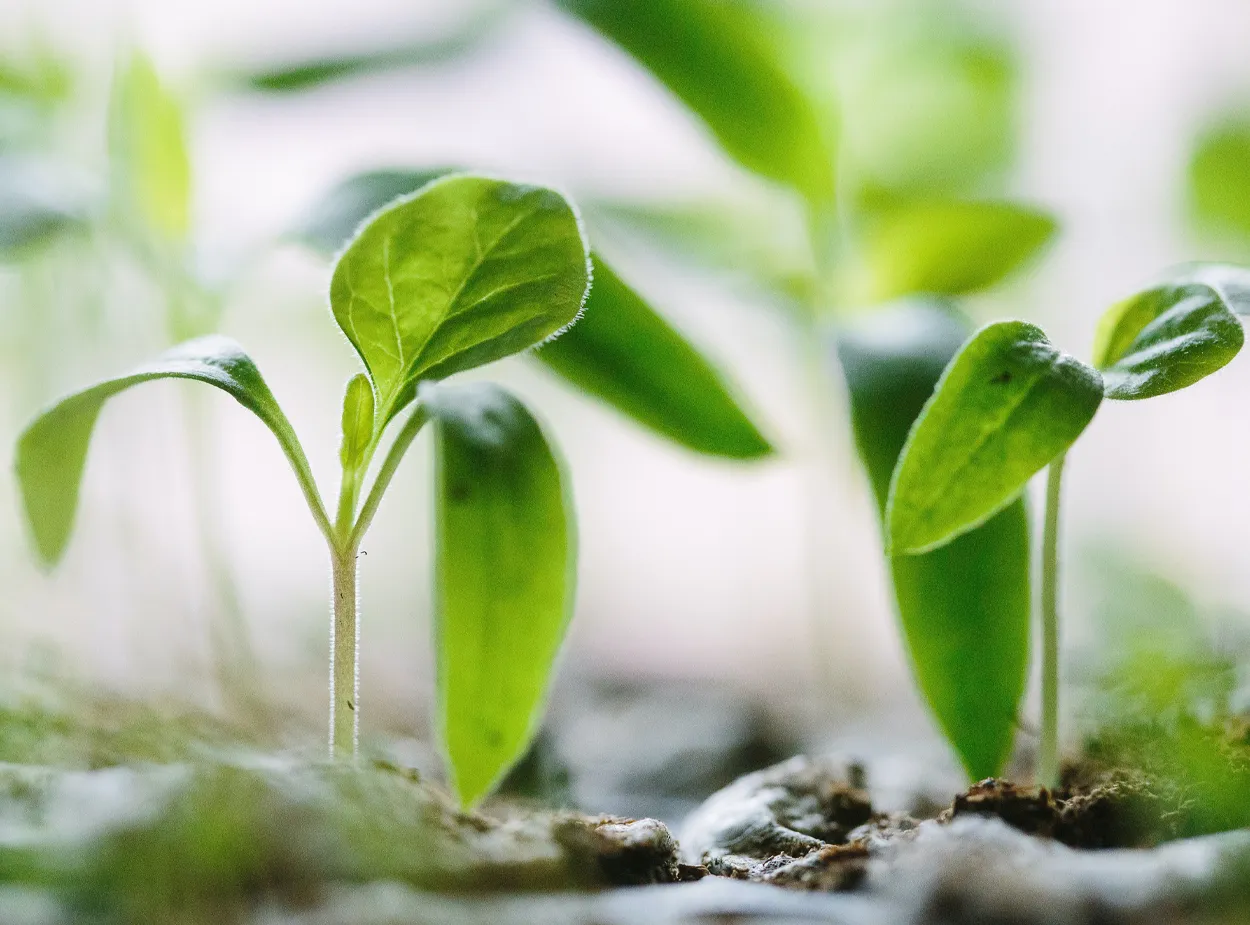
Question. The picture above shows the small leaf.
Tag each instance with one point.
(465, 272)
(1007, 404)
(1169, 337)
(52, 450)
(506, 564)
(624, 353)
(148, 149)
(964, 608)
(945, 247)
(710, 55)
(336, 217)
(357, 421)
(1219, 178)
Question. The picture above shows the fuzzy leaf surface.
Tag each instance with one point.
(1007, 404)
(506, 553)
(466, 271)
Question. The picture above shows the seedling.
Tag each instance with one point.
(464, 272)
(1010, 403)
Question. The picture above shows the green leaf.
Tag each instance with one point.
(1169, 337)
(964, 608)
(945, 247)
(625, 354)
(1219, 178)
(710, 54)
(336, 217)
(1008, 403)
(38, 204)
(52, 450)
(357, 421)
(506, 565)
(148, 149)
(464, 272)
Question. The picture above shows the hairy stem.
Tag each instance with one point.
(1048, 757)
(344, 655)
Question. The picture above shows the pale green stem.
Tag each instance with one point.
(344, 656)
(1048, 756)
(394, 456)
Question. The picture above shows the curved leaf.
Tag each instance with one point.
(336, 217)
(946, 247)
(710, 55)
(1008, 403)
(506, 565)
(52, 450)
(624, 353)
(964, 608)
(466, 271)
(1219, 178)
(1167, 338)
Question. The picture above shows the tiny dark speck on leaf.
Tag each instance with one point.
(1002, 378)
(459, 491)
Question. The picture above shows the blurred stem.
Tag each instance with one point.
(344, 655)
(1048, 757)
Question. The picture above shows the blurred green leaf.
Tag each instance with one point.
(52, 450)
(622, 352)
(944, 247)
(148, 149)
(1219, 178)
(336, 217)
(964, 608)
(711, 55)
(1165, 339)
(40, 77)
(468, 271)
(1008, 403)
(357, 426)
(38, 204)
(506, 567)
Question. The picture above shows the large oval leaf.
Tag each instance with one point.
(624, 353)
(506, 565)
(464, 272)
(1168, 337)
(52, 450)
(1007, 404)
(964, 608)
(710, 55)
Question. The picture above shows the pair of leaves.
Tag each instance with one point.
(466, 271)
(1010, 402)
(622, 352)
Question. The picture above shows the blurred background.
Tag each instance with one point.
(766, 576)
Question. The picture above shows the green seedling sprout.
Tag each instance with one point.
(1010, 403)
(466, 271)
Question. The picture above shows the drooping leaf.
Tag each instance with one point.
(506, 566)
(337, 215)
(148, 150)
(1007, 404)
(1219, 178)
(467, 271)
(625, 354)
(52, 450)
(964, 608)
(357, 421)
(945, 247)
(1169, 337)
(710, 55)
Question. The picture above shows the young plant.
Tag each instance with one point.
(464, 272)
(1010, 403)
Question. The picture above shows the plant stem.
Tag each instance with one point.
(1048, 757)
(344, 655)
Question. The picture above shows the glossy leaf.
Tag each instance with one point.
(464, 272)
(1219, 178)
(1165, 339)
(625, 354)
(357, 425)
(945, 247)
(506, 566)
(709, 53)
(336, 217)
(1008, 403)
(148, 149)
(52, 450)
(964, 608)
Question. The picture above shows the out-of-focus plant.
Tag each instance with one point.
(465, 272)
(1219, 178)
(1010, 404)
